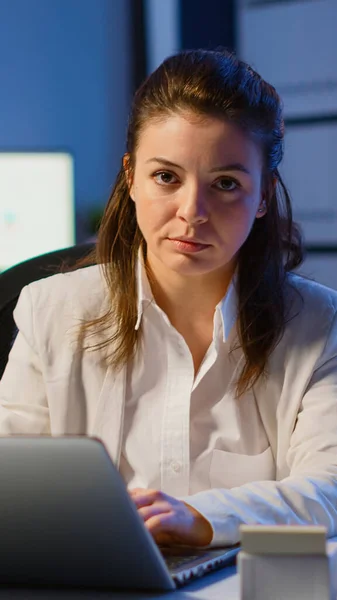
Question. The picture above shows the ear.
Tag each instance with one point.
(262, 209)
(128, 173)
(266, 193)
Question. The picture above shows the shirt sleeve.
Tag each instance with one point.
(309, 494)
(23, 401)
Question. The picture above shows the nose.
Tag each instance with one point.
(193, 206)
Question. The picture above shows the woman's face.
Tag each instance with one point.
(197, 191)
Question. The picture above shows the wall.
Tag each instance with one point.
(64, 80)
(293, 45)
(162, 25)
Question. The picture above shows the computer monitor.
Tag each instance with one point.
(36, 204)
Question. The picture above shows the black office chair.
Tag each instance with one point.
(14, 279)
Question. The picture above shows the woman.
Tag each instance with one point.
(208, 369)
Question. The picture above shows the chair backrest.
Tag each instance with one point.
(14, 279)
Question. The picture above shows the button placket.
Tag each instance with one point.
(176, 466)
(175, 425)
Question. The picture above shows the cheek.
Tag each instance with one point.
(246, 213)
(236, 220)
(151, 217)
(154, 210)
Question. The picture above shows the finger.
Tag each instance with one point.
(164, 528)
(149, 491)
(135, 491)
(166, 539)
(162, 522)
(158, 508)
(146, 497)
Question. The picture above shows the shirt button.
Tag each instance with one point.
(180, 349)
(176, 466)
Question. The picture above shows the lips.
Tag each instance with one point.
(188, 245)
(189, 241)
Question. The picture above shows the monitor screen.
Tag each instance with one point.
(36, 204)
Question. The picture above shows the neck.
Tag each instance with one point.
(185, 298)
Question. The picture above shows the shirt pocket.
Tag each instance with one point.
(230, 470)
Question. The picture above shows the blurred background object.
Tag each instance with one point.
(293, 44)
(66, 82)
(67, 75)
(30, 225)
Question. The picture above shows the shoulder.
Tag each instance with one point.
(311, 324)
(308, 299)
(83, 290)
(309, 341)
(53, 305)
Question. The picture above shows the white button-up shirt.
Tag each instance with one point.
(179, 427)
(268, 457)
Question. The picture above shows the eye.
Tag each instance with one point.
(227, 184)
(164, 178)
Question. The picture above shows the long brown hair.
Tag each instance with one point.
(210, 83)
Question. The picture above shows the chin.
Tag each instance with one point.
(189, 266)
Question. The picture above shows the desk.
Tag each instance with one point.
(221, 585)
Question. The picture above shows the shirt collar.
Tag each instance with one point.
(226, 309)
(144, 292)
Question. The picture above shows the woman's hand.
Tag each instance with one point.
(171, 521)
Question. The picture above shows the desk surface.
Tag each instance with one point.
(221, 585)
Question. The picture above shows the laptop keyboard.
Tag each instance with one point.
(178, 562)
(186, 563)
(178, 557)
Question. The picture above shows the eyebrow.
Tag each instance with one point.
(230, 167)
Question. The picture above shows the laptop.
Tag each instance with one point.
(66, 519)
